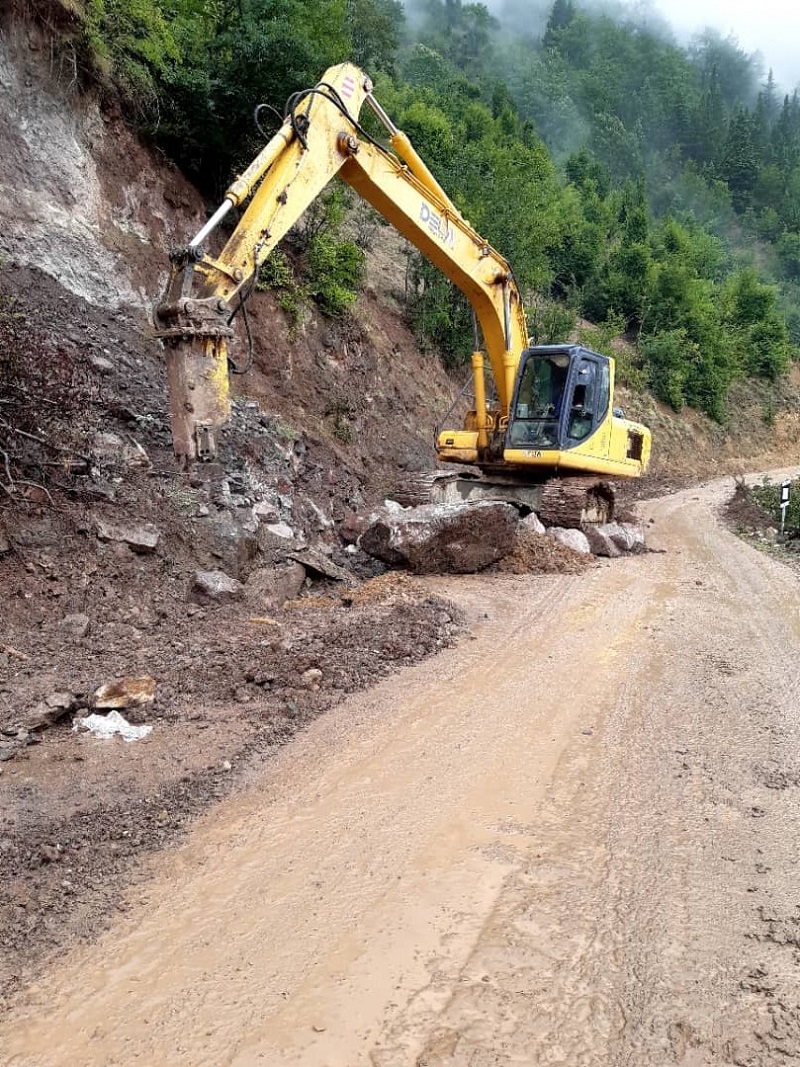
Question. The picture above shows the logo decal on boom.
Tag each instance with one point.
(438, 225)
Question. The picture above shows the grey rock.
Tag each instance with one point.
(627, 536)
(600, 543)
(266, 512)
(230, 544)
(313, 516)
(111, 450)
(574, 539)
(443, 538)
(533, 522)
(75, 626)
(101, 365)
(316, 561)
(245, 520)
(142, 539)
(64, 700)
(215, 586)
(312, 677)
(39, 717)
(270, 587)
(280, 529)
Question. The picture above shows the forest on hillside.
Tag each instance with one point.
(650, 187)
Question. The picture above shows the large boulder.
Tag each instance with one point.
(229, 543)
(439, 538)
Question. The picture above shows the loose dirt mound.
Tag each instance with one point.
(743, 513)
(539, 554)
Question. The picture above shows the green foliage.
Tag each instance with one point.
(670, 357)
(757, 329)
(549, 322)
(607, 338)
(336, 273)
(133, 42)
(768, 496)
(332, 273)
(374, 27)
(439, 314)
(275, 272)
(653, 188)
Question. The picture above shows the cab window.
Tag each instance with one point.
(583, 407)
(540, 401)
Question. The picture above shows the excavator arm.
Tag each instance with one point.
(320, 138)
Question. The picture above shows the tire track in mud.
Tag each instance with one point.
(636, 931)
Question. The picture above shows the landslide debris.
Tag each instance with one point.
(443, 538)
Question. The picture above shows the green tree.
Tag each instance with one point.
(374, 28)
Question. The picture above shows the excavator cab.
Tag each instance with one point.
(562, 397)
(561, 416)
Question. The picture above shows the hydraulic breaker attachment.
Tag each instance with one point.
(195, 333)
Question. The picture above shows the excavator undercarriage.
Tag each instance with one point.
(568, 502)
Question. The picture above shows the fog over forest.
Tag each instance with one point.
(770, 28)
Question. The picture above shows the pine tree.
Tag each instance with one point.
(561, 16)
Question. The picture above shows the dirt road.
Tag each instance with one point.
(573, 839)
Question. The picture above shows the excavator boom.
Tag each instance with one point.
(554, 411)
(320, 139)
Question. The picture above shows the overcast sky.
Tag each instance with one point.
(771, 27)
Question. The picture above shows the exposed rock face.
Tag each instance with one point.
(439, 538)
(57, 198)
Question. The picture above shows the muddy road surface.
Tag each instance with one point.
(573, 839)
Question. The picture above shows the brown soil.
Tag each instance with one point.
(539, 554)
(743, 513)
(569, 838)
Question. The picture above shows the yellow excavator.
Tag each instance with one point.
(544, 433)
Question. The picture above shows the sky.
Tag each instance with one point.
(771, 27)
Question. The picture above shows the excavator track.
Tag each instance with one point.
(421, 487)
(570, 502)
(576, 502)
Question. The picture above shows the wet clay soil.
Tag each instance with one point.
(570, 839)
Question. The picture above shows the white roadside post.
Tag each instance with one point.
(786, 489)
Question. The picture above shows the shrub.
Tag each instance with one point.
(336, 273)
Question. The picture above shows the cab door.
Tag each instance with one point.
(588, 399)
